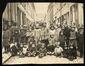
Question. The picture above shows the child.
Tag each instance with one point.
(51, 46)
(13, 49)
(58, 50)
(72, 52)
(24, 50)
(65, 51)
(31, 51)
(42, 51)
(50, 49)
(21, 50)
(39, 46)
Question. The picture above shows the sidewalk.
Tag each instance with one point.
(5, 56)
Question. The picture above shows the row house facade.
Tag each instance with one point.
(72, 13)
(19, 13)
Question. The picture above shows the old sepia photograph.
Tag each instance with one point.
(43, 33)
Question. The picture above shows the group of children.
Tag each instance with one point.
(66, 46)
(31, 49)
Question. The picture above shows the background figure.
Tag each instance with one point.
(6, 39)
(58, 29)
(37, 33)
(73, 43)
(66, 32)
(23, 36)
(80, 41)
(62, 39)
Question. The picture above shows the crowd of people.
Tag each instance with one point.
(38, 40)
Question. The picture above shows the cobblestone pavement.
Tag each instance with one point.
(44, 60)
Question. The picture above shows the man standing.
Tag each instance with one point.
(72, 44)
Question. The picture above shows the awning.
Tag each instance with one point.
(28, 17)
(23, 10)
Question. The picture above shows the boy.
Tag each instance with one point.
(42, 51)
(58, 50)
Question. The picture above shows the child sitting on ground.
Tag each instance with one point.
(21, 50)
(24, 50)
(13, 49)
(58, 50)
(51, 45)
(38, 46)
(31, 51)
(42, 51)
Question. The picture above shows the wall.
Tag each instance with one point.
(75, 16)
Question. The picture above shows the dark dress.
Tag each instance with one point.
(6, 39)
(80, 42)
(72, 52)
(45, 41)
(14, 50)
(62, 40)
(50, 48)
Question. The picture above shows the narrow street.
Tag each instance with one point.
(41, 29)
(44, 60)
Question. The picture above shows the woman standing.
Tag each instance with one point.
(6, 39)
